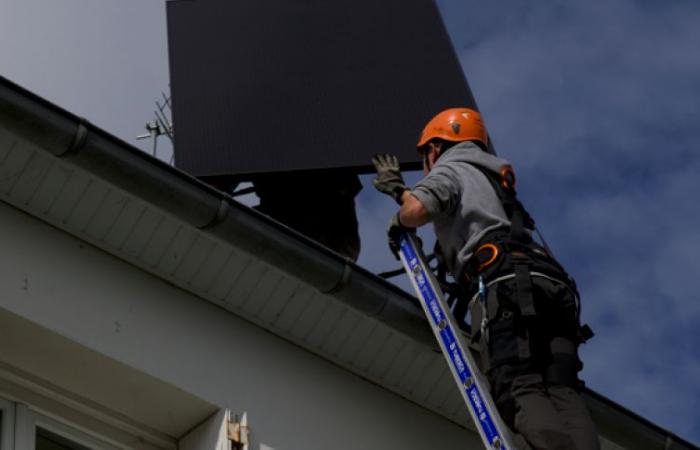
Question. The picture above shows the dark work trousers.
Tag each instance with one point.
(538, 395)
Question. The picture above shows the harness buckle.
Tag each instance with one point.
(519, 256)
(508, 178)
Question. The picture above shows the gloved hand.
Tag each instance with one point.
(388, 180)
(393, 231)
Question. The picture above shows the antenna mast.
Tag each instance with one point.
(161, 125)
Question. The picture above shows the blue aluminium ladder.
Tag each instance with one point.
(494, 433)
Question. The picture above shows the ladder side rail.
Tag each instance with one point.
(472, 386)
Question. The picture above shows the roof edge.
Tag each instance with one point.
(76, 140)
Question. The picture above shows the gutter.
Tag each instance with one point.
(74, 139)
(86, 146)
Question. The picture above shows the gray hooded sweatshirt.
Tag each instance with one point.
(461, 201)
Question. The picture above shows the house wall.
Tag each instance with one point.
(295, 400)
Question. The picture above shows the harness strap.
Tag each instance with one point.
(526, 303)
(564, 364)
(489, 311)
(516, 214)
(504, 186)
(524, 346)
(492, 303)
(523, 285)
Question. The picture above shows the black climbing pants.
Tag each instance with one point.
(547, 416)
(536, 390)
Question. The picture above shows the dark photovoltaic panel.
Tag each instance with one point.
(280, 85)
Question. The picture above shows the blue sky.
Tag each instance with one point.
(597, 105)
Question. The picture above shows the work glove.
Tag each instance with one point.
(393, 232)
(388, 180)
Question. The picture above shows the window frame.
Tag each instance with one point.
(27, 421)
(7, 424)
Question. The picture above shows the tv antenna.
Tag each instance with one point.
(161, 125)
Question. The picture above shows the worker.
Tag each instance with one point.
(336, 228)
(526, 320)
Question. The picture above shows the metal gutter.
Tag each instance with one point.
(72, 138)
(88, 147)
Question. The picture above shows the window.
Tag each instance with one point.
(46, 440)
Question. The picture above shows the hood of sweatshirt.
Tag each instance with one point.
(473, 154)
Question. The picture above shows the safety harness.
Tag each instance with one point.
(510, 254)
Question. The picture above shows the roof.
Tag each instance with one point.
(63, 170)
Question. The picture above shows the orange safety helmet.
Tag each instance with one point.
(455, 124)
